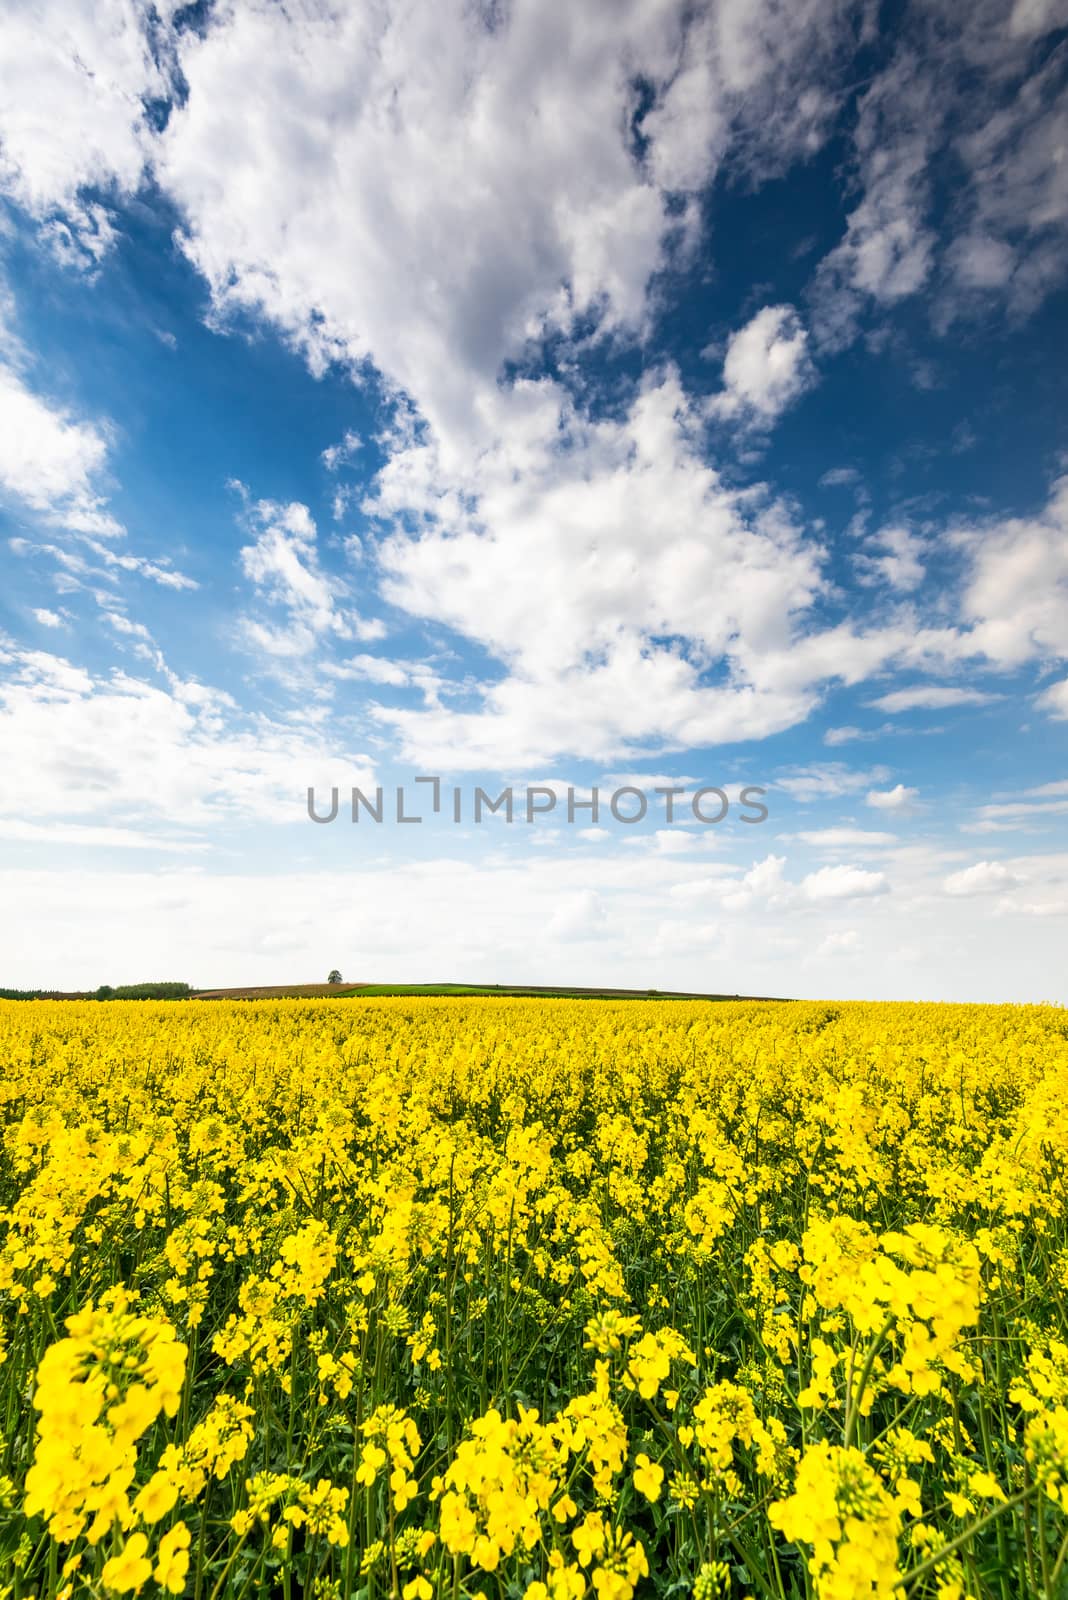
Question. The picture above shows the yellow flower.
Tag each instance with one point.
(172, 1559)
(588, 1538)
(648, 1477)
(159, 1495)
(372, 1460)
(130, 1569)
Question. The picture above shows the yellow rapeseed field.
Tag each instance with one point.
(533, 1299)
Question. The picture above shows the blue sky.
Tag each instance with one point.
(536, 395)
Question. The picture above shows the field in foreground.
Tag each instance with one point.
(439, 1297)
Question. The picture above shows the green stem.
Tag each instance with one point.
(962, 1538)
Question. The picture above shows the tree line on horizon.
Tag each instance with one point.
(129, 991)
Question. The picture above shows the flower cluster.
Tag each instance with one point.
(98, 1390)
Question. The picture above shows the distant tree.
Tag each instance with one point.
(105, 992)
(150, 991)
(335, 977)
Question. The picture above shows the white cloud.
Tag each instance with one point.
(54, 463)
(394, 674)
(572, 549)
(49, 619)
(335, 455)
(51, 460)
(118, 751)
(847, 838)
(490, 160)
(677, 841)
(852, 735)
(828, 782)
(887, 251)
(896, 561)
(1016, 593)
(1054, 700)
(843, 883)
(843, 942)
(283, 564)
(669, 922)
(766, 368)
(650, 781)
(124, 625)
(535, 172)
(985, 877)
(764, 883)
(981, 262)
(623, 535)
(960, 82)
(899, 798)
(159, 571)
(1016, 202)
(581, 914)
(76, 571)
(931, 697)
(373, 669)
(1031, 17)
(489, 163)
(1047, 800)
(96, 836)
(73, 85)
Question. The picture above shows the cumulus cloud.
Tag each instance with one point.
(624, 536)
(535, 171)
(766, 368)
(1016, 592)
(1054, 700)
(262, 926)
(489, 163)
(764, 883)
(51, 460)
(74, 83)
(985, 877)
(899, 798)
(492, 160)
(843, 883)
